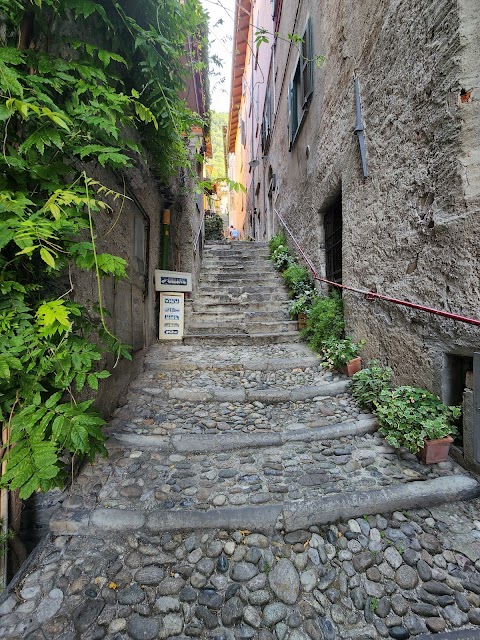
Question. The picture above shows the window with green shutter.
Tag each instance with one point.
(300, 88)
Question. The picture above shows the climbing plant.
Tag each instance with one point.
(68, 104)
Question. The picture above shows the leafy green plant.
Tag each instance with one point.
(373, 604)
(325, 320)
(213, 227)
(409, 415)
(298, 280)
(368, 384)
(281, 258)
(302, 304)
(277, 240)
(60, 108)
(336, 353)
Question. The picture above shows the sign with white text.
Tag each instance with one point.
(172, 281)
(171, 315)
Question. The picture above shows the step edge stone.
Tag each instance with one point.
(344, 506)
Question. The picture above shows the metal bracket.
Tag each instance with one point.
(359, 130)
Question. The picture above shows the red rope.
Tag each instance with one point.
(371, 295)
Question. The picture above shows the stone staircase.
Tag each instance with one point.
(241, 298)
(240, 430)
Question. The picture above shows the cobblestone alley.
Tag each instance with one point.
(246, 496)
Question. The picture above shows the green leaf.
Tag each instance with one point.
(47, 257)
(53, 400)
(11, 55)
(92, 381)
(104, 56)
(9, 81)
(53, 312)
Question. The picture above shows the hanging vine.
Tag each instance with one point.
(66, 102)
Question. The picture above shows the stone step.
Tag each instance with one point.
(266, 396)
(235, 260)
(237, 289)
(237, 306)
(267, 364)
(283, 516)
(243, 278)
(237, 338)
(245, 326)
(239, 271)
(257, 297)
(231, 441)
(232, 315)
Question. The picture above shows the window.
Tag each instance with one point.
(243, 133)
(276, 12)
(301, 87)
(267, 120)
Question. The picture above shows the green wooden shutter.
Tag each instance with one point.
(307, 62)
(291, 132)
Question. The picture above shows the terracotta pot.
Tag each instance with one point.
(354, 366)
(302, 321)
(435, 450)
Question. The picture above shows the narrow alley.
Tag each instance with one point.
(246, 496)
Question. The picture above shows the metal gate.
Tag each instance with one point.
(333, 241)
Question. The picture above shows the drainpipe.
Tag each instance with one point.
(165, 237)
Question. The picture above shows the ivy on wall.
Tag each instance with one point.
(67, 103)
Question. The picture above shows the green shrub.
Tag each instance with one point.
(281, 258)
(368, 384)
(297, 279)
(276, 241)
(336, 353)
(213, 228)
(302, 304)
(408, 415)
(325, 320)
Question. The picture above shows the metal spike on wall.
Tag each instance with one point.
(359, 130)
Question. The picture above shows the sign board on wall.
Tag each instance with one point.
(172, 281)
(171, 315)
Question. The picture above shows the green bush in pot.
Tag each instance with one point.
(407, 416)
(368, 384)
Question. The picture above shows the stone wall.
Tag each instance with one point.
(409, 229)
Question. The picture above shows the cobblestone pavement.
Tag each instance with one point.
(406, 574)
(246, 497)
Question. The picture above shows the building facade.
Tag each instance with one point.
(397, 214)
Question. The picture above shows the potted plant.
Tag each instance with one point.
(417, 420)
(368, 384)
(342, 354)
(300, 307)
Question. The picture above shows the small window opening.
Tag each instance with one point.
(333, 241)
(458, 371)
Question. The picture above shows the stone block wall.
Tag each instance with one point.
(410, 227)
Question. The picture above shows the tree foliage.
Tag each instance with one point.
(66, 101)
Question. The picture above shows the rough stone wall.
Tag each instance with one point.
(410, 228)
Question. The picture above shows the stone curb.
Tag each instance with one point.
(268, 518)
(464, 634)
(333, 431)
(262, 519)
(24, 569)
(231, 442)
(267, 396)
(413, 495)
(277, 364)
(237, 339)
